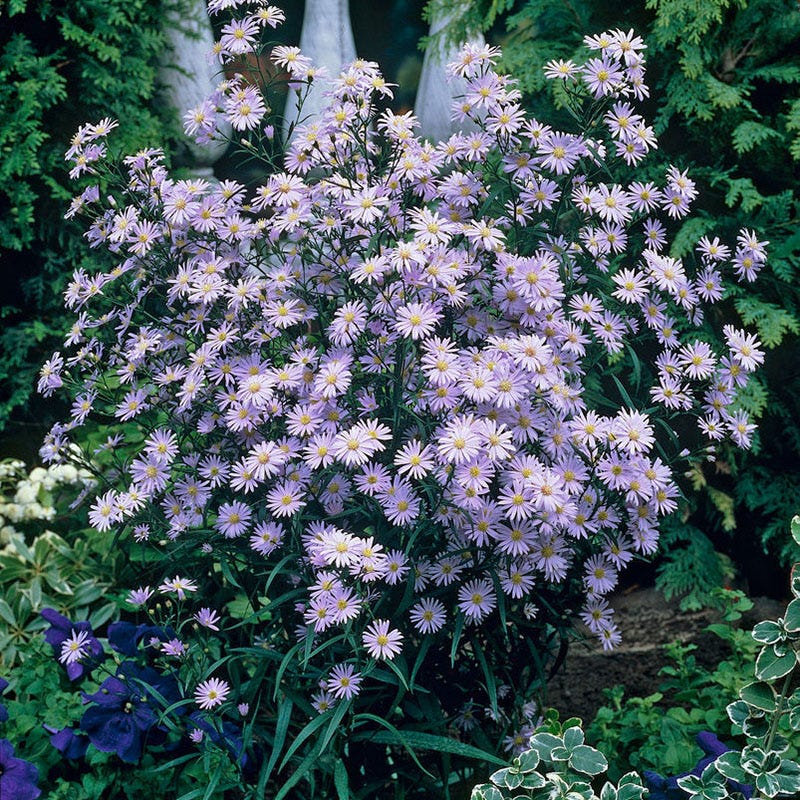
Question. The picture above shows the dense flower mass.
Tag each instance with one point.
(385, 378)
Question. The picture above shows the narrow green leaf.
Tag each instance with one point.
(491, 685)
(440, 744)
(341, 781)
(307, 730)
(281, 726)
(302, 770)
(459, 627)
(333, 725)
(395, 735)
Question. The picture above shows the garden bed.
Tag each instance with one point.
(648, 622)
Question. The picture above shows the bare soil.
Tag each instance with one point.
(648, 622)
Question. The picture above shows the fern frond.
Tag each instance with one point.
(750, 134)
(772, 322)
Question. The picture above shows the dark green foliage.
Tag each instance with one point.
(725, 81)
(61, 64)
(691, 569)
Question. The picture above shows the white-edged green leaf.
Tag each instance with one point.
(767, 632)
(791, 620)
(772, 664)
(527, 761)
(730, 765)
(588, 760)
(759, 695)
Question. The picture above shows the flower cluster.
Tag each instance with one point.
(125, 713)
(25, 497)
(382, 382)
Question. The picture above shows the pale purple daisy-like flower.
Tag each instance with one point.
(609, 635)
(741, 429)
(712, 249)
(344, 682)
(560, 152)
(319, 613)
(245, 109)
(428, 615)
(600, 576)
(632, 431)
(367, 205)
(132, 404)
(75, 647)
(233, 519)
(50, 375)
(517, 580)
(345, 604)
(323, 700)
(597, 614)
(744, 348)
(208, 618)
(416, 320)
(239, 36)
(104, 511)
(178, 585)
(174, 647)
(211, 693)
(477, 599)
(697, 359)
(267, 536)
(380, 641)
(414, 459)
(395, 567)
(558, 68)
(140, 596)
(285, 500)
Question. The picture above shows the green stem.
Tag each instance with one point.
(773, 728)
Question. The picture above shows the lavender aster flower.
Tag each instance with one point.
(73, 644)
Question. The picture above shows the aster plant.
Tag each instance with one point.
(397, 406)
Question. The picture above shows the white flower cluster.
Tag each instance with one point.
(26, 497)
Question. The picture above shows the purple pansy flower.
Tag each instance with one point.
(124, 637)
(18, 778)
(662, 788)
(73, 643)
(124, 715)
(70, 744)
